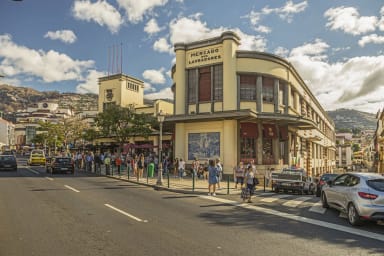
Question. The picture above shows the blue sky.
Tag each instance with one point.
(335, 45)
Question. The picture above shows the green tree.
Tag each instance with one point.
(355, 147)
(124, 123)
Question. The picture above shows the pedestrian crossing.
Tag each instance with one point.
(313, 204)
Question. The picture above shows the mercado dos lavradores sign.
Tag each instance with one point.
(204, 56)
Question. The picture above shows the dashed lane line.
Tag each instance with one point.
(35, 172)
(349, 230)
(49, 178)
(71, 188)
(125, 213)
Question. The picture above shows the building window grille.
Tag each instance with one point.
(192, 85)
(247, 87)
(218, 82)
(267, 89)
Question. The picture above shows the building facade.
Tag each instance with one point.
(127, 91)
(7, 134)
(344, 151)
(245, 105)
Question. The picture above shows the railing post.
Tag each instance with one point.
(193, 181)
(228, 184)
(168, 179)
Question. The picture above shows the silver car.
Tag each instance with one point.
(359, 195)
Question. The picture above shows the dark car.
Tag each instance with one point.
(8, 163)
(323, 180)
(60, 165)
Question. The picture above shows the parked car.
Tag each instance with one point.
(323, 180)
(60, 165)
(292, 179)
(8, 163)
(359, 195)
(37, 157)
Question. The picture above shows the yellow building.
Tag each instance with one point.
(127, 91)
(246, 105)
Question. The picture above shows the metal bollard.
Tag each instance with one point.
(228, 178)
(264, 183)
(168, 179)
(193, 181)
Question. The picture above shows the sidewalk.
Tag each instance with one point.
(185, 185)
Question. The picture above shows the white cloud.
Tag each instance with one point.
(285, 12)
(100, 12)
(281, 51)
(162, 45)
(374, 39)
(67, 36)
(91, 83)
(190, 29)
(136, 9)
(152, 27)
(155, 76)
(162, 94)
(50, 66)
(381, 21)
(348, 20)
(356, 83)
(149, 87)
(315, 50)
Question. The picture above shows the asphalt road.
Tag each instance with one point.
(44, 214)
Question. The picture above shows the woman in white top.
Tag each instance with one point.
(249, 176)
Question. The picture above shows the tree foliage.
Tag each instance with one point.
(124, 123)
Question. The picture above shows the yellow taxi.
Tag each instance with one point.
(37, 157)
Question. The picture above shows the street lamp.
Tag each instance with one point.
(160, 119)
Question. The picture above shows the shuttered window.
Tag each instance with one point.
(205, 84)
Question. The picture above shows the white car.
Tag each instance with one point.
(359, 195)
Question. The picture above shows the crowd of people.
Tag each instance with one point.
(212, 170)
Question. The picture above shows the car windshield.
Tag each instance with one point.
(328, 177)
(63, 160)
(377, 184)
(6, 158)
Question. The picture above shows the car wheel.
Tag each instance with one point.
(353, 215)
(324, 201)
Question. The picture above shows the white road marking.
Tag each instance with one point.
(35, 172)
(125, 213)
(71, 188)
(318, 208)
(48, 178)
(350, 230)
(296, 202)
(273, 198)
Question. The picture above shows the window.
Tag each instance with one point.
(205, 84)
(192, 84)
(218, 82)
(247, 87)
(267, 90)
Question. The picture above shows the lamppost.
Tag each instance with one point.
(160, 119)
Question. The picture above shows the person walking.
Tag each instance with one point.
(107, 162)
(249, 181)
(118, 163)
(239, 174)
(212, 177)
(195, 166)
(175, 167)
(140, 166)
(181, 168)
(220, 170)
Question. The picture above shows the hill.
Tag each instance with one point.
(14, 98)
(348, 119)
